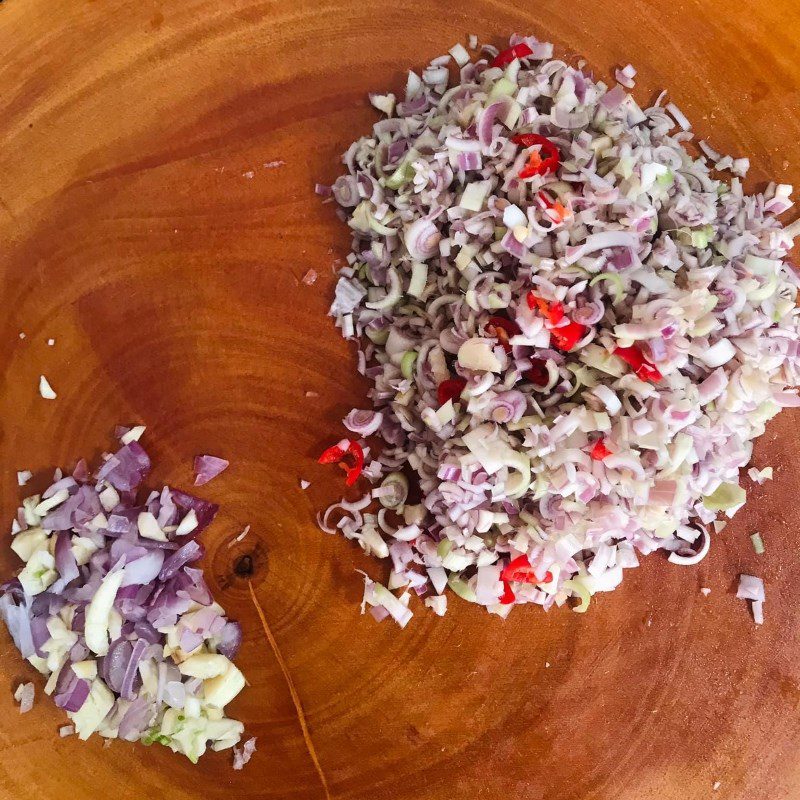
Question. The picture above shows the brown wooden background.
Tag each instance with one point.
(140, 228)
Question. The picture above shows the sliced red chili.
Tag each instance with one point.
(599, 450)
(630, 355)
(333, 455)
(554, 209)
(508, 596)
(521, 571)
(559, 212)
(565, 337)
(505, 57)
(553, 311)
(634, 357)
(535, 166)
(649, 372)
(337, 454)
(450, 390)
(546, 159)
(503, 329)
(556, 313)
(543, 198)
(538, 373)
(531, 140)
(354, 472)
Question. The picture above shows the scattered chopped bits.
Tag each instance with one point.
(716, 785)
(383, 102)
(740, 167)
(21, 335)
(384, 603)
(133, 435)
(752, 588)
(310, 277)
(304, 484)
(24, 695)
(758, 543)
(207, 468)
(678, 116)
(66, 730)
(626, 75)
(239, 537)
(459, 54)
(473, 41)
(312, 394)
(243, 533)
(51, 342)
(249, 174)
(347, 453)
(760, 476)
(438, 603)
(23, 477)
(273, 165)
(705, 591)
(242, 755)
(45, 389)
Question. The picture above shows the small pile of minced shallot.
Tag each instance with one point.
(110, 608)
(574, 329)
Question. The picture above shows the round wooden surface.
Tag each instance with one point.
(157, 163)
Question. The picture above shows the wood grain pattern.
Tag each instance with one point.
(140, 228)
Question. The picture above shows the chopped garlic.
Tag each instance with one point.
(149, 527)
(29, 541)
(221, 690)
(39, 573)
(99, 610)
(187, 524)
(204, 665)
(109, 498)
(91, 714)
(56, 500)
(85, 669)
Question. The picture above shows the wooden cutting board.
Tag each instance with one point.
(157, 163)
